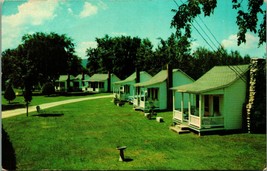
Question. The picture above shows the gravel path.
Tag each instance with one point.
(15, 112)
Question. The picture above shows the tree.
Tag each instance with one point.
(10, 68)
(48, 89)
(9, 93)
(27, 93)
(246, 19)
(174, 51)
(48, 55)
(114, 54)
(145, 56)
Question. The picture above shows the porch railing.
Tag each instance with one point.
(135, 101)
(206, 122)
(194, 120)
(203, 122)
(178, 115)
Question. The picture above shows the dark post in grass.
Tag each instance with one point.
(121, 148)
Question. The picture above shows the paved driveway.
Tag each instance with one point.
(15, 112)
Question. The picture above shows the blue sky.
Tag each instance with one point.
(84, 20)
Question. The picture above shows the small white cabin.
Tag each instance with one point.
(79, 83)
(99, 83)
(154, 91)
(125, 88)
(61, 84)
(219, 99)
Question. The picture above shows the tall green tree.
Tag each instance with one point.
(246, 19)
(114, 54)
(174, 51)
(44, 55)
(145, 56)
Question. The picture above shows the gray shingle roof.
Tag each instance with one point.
(98, 77)
(158, 78)
(216, 78)
(130, 78)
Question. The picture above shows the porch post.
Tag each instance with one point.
(144, 98)
(173, 100)
(200, 110)
(182, 106)
(189, 107)
(173, 103)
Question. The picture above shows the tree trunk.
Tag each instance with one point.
(27, 108)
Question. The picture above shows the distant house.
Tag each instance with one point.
(61, 85)
(99, 82)
(79, 83)
(219, 98)
(126, 87)
(154, 92)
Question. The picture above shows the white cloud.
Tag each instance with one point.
(70, 11)
(250, 47)
(31, 13)
(82, 46)
(88, 10)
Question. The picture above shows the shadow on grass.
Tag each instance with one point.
(8, 152)
(13, 105)
(128, 159)
(49, 115)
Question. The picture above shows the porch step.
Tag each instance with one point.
(183, 127)
(180, 129)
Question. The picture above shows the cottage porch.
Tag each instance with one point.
(204, 115)
(198, 123)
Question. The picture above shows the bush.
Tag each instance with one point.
(48, 89)
(9, 93)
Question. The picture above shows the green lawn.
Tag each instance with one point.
(36, 100)
(87, 135)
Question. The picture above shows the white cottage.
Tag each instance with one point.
(154, 92)
(220, 97)
(79, 83)
(125, 88)
(99, 83)
(61, 84)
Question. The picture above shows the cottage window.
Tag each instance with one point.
(153, 93)
(206, 105)
(197, 101)
(137, 90)
(101, 84)
(216, 105)
(126, 89)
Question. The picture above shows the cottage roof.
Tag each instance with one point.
(130, 78)
(158, 78)
(65, 77)
(216, 78)
(98, 77)
(79, 77)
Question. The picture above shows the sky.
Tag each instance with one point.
(85, 20)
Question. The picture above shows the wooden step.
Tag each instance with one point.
(183, 127)
(178, 130)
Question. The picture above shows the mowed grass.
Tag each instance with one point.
(87, 135)
(37, 100)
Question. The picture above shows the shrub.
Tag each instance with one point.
(48, 89)
(9, 93)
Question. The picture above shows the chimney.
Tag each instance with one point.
(169, 85)
(137, 80)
